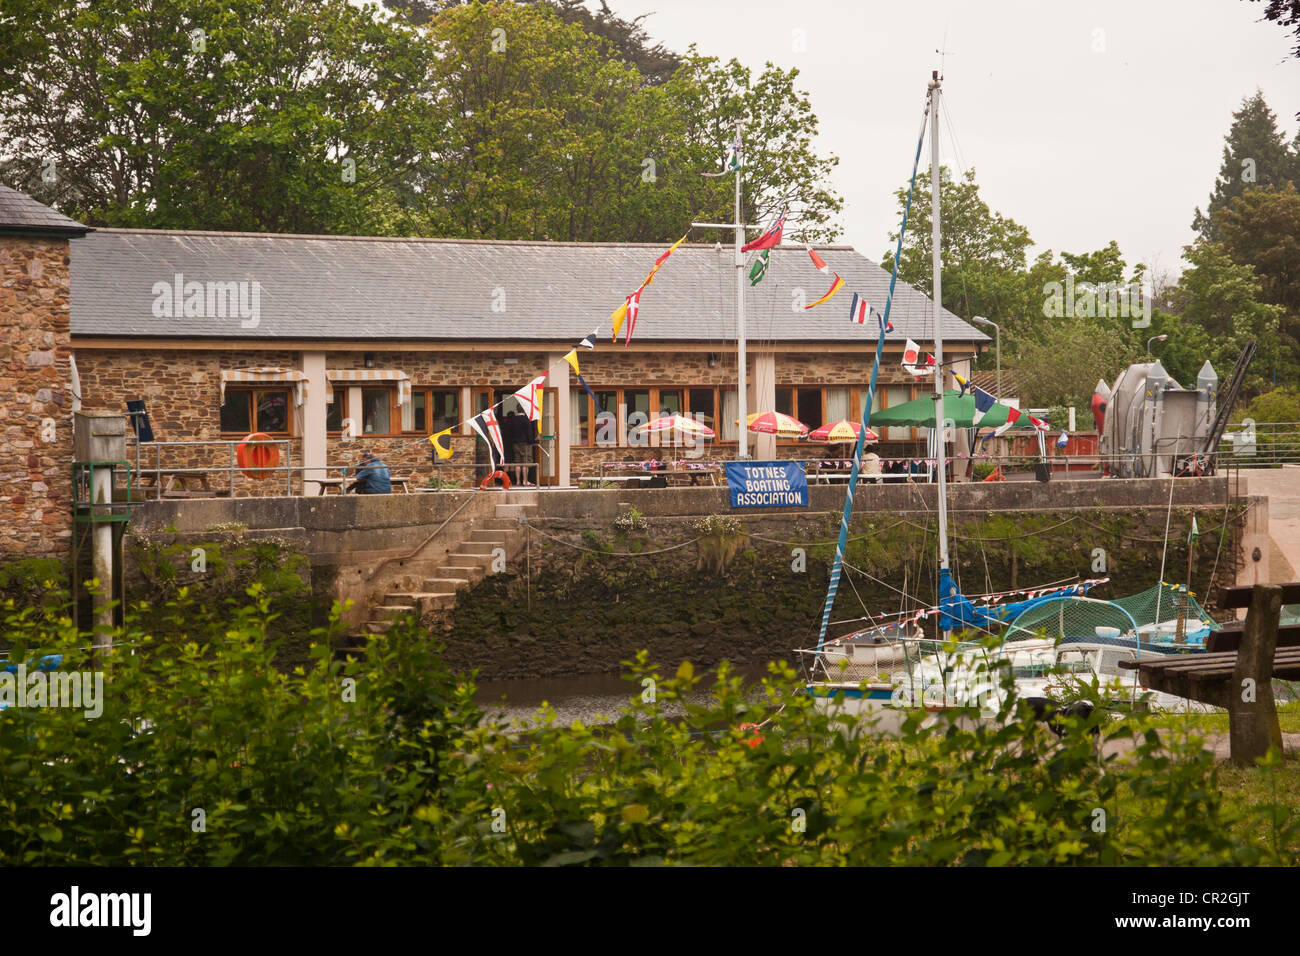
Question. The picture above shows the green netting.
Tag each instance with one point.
(1072, 617)
(1143, 607)
(1290, 614)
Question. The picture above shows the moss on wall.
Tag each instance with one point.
(595, 596)
(158, 566)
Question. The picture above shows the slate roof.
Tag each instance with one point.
(315, 287)
(20, 214)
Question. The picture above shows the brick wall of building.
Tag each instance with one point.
(181, 389)
(35, 399)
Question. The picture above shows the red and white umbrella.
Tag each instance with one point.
(841, 431)
(680, 425)
(775, 423)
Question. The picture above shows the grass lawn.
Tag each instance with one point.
(1243, 788)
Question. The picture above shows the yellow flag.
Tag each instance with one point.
(572, 359)
(617, 317)
(437, 441)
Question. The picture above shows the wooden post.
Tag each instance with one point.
(1252, 713)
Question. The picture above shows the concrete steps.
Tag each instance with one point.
(465, 564)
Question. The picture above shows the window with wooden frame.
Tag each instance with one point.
(249, 410)
(434, 409)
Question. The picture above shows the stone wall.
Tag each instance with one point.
(35, 399)
(181, 388)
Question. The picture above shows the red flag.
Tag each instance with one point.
(768, 239)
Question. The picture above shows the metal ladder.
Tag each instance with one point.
(1225, 400)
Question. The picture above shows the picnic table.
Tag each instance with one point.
(1240, 679)
(326, 484)
(180, 483)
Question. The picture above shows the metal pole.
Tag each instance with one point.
(101, 496)
(938, 318)
(997, 338)
(742, 447)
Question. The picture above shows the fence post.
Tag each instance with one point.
(1252, 714)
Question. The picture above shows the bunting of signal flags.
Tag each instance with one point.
(530, 398)
(441, 443)
(836, 284)
(632, 304)
(835, 287)
(759, 268)
(572, 359)
(486, 425)
(860, 311)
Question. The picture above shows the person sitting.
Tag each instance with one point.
(372, 477)
(871, 465)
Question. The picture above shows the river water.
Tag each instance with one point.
(592, 699)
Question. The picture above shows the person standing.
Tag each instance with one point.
(524, 435)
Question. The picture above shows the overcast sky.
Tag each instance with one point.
(1078, 146)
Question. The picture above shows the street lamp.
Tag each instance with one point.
(1154, 338)
(997, 330)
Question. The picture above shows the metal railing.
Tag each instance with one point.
(164, 476)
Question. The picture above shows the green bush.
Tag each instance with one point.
(402, 767)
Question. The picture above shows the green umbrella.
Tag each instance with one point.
(958, 408)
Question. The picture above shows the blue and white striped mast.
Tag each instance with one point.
(838, 563)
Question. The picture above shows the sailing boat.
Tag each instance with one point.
(891, 667)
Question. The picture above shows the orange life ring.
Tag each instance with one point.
(256, 459)
(505, 480)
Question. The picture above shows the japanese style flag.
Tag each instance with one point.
(530, 397)
(486, 425)
(912, 360)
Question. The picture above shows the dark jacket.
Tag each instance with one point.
(373, 479)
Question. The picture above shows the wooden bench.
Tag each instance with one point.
(1239, 680)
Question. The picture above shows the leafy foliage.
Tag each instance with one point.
(1254, 153)
(492, 120)
(290, 769)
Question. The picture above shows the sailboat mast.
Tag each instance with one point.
(742, 448)
(937, 303)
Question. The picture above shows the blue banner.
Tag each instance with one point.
(767, 484)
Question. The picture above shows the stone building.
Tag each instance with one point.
(340, 344)
(36, 397)
(372, 343)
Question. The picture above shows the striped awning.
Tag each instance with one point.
(369, 375)
(267, 374)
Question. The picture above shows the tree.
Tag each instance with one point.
(1285, 13)
(1226, 301)
(1254, 154)
(983, 259)
(626, 40)
(1062, 369)
(238, 115)
(1261, 228)
(549, 137)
